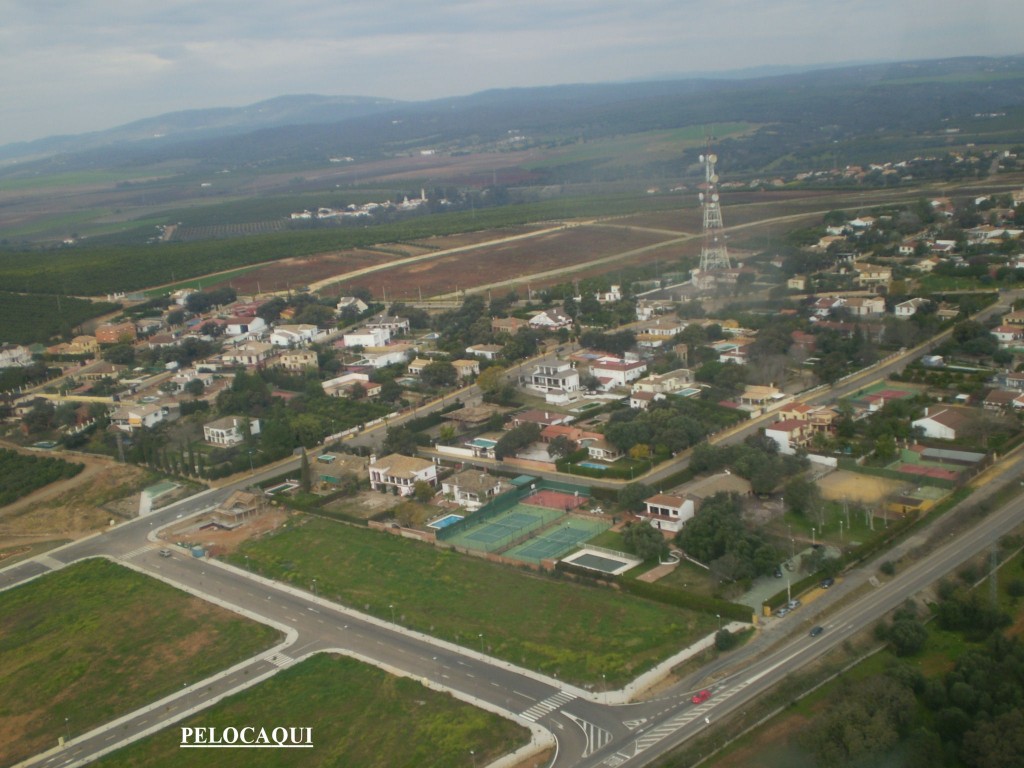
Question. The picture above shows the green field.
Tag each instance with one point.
(94, 641)
(38, 319)
(579, 633)
(361, 718)
(20, 473)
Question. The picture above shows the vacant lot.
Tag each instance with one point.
(361, 718)
(554, 626)
(866, 489)
(94, 641)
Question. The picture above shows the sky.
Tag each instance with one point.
(72, 66)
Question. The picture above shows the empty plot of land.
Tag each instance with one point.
(297, 272)
(866, 489)
(93, 641)
(360, 716)
(504, 261)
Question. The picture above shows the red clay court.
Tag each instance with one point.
(555, 500)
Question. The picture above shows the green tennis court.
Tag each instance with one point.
(557, 540)
(501, 531)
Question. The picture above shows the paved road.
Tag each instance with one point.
(589, 730)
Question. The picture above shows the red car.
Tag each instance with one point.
(700, 698)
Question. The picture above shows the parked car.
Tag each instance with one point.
(778, 572)
(701, 697)
(165, 553)
(826, 583)
(782, 612)
(793, 604)
(815, 631)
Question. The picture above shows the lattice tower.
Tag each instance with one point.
(713, 255)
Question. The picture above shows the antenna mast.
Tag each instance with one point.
(713, 255)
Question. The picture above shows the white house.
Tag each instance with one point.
(909, 308)
(401, 472)
(615, 372)
(367, 337)
(665, 383)
(131, 417)
(395, 354)
(486, 351)
(561, 376)
(396, 326)
(942, 423)
(238, 326)
(293, 335)
(550, 320)
(14, 356)
(352, 304)
(667, 512)
(790, 434)
(1008, 335)
(229, 430)
(472, 488)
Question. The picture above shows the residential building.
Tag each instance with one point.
(251, 353)
(472, 488)
(862, 307)
(14, 356)
(342, 386)
(401, 473)
(417, 365)
(509, 325)
(641, 400)
(486, 351)
(909, 308)
(367, 337)
(116, 333)
(665, 383)
(790, 435)
(466, 369)
(1008, 335)
(294, 335)
(298, 360)
(616, 372)
(668, 512)
(241, 326)
(943, 423)
(556, 376)
(394, 354)
(229, 430)
(129, 418)
(395, 326)
(352, 304)
(550, 320)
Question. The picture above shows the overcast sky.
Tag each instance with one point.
(70, 66)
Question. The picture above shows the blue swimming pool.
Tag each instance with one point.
(482, 442)
(444, 522)
(592, 465)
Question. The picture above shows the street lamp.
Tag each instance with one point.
(481, 636)
(314, 588)
(719, 617)
(392, 607)
(813, 542)
(67, 726)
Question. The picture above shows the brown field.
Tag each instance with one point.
(295, 273)
(505, 261)
(444, 242)
(855, 487)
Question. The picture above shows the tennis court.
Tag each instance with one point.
(556, 500)
(557, 540)
(504, 529)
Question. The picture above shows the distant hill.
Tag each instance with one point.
(797, 117)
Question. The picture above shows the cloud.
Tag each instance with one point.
(73, 65)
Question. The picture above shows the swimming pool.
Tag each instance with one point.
(591, 465)
(444, 522)
(482, 442)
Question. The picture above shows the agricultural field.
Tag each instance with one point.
(361, 718)
(501, 262)
(135, 640)
(38, 319)
(599, 632)
(293, 273)
(21, 474)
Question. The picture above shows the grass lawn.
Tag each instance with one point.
(544, 623)
(94, 641)
(361, 718)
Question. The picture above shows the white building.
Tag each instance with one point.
(401, 472)
(615, 372)
(229, 430)
(129, 418)
(294, 335)
(367, 337)
(667, 512)
(559, 376)
(472, 488)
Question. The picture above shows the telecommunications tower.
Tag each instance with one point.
(713, 255)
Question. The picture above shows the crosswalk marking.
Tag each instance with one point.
(51, 563)
(137, 552)
(597, 737)
(281, 660)
(550, 704)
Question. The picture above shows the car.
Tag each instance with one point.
(701, 697)
(815, 631)
(826, 583)
(793, 604)
(778, 572)
(165, 553)
(782, 612)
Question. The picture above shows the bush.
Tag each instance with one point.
(888, 568)
(725, 640)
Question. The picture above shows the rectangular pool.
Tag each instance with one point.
(444, 522)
